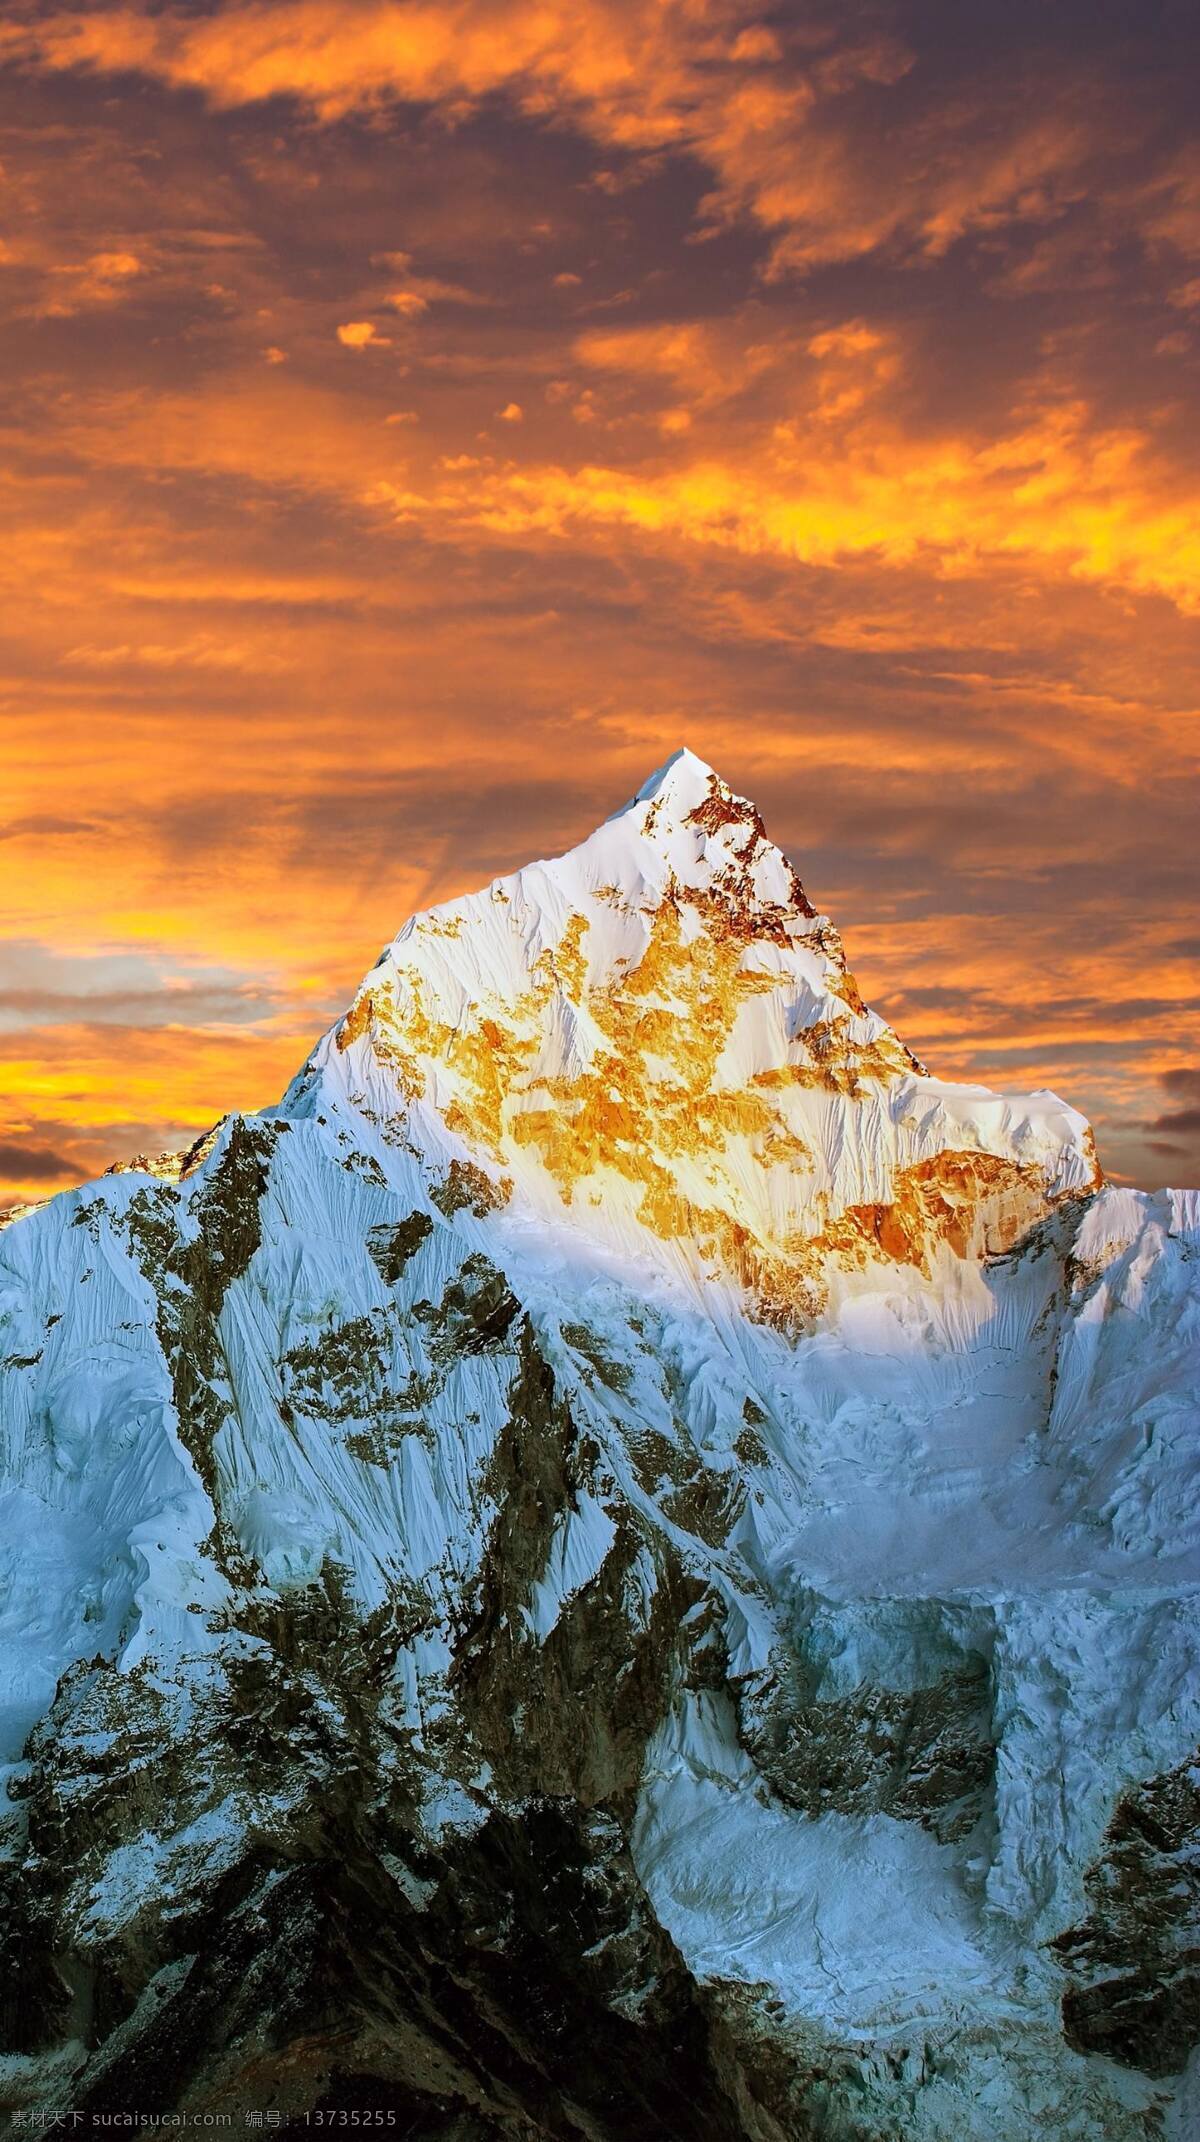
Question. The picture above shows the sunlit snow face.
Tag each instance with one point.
(658, 1033)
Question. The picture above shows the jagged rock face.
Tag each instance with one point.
(623, 1564)
(1135, 1961)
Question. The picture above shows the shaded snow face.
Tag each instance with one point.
(623, 1562)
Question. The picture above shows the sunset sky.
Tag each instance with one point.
(420, 419)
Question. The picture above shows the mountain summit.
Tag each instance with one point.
(622, 1564)
(655, 1041)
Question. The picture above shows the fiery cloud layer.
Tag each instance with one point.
(418, 419)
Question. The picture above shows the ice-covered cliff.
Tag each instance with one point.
(623, 1564)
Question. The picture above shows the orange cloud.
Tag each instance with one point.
(763, 110)
(102, 279)
(418, 292)
(1058, 492)
(706, 361)
(362, 335)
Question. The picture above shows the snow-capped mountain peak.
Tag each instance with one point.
(655, 1041)
(706, 835)
(680, 783)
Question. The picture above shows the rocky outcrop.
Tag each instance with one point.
(1135, 1961)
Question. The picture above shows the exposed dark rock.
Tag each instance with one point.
(511, 1982)
(466, 1188)
(531, 1701)
(614, 1375)
(190, 1278)
(1135, 1960)
(475, 1314)
(924, 1754)
(392, 1247)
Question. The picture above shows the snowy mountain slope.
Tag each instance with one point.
(622, 1564)
(658, 1034)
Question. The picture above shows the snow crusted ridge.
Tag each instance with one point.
(656, 1039)
(622, 1563)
